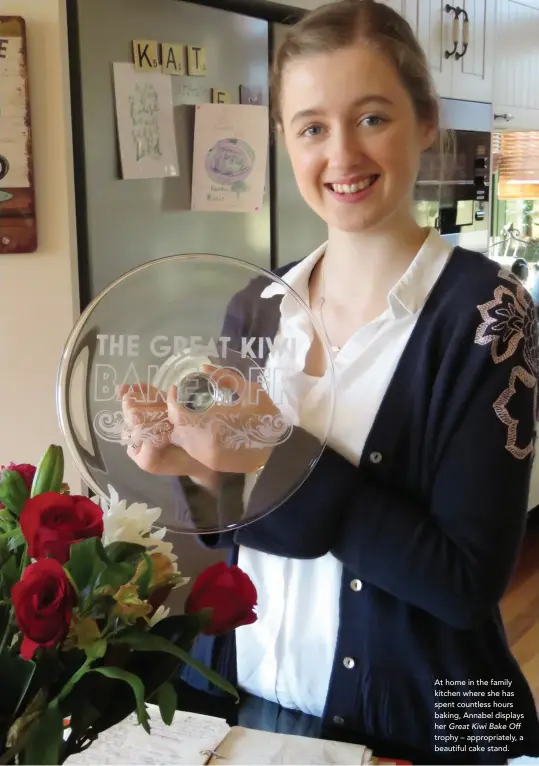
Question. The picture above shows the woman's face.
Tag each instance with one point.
(352, 135)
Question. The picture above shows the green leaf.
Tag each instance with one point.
(85, 562)
(16, 539)
(148, 642)
(9, 575)
(167, 699)
(118, 552)
(30, 714)
(138, 690)
(114, 699)
(49, 475)
(16, 675)
(97, 650)
(143, 582)
(5, 553)
(45, 738)
(116, 575)
(7, 523)
(13, 491)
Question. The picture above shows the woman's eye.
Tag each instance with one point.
(372, 121)
(311, 131)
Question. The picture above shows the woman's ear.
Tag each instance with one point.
(429, 133)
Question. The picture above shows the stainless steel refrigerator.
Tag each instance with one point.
(125, 223)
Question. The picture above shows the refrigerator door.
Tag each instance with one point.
(125, 223)
(130, 222)
(299, 230)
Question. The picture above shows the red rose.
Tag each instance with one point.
(43, 600)
(51, 523)
(231, 594)
(25, 470)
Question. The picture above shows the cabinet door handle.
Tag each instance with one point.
(506, 117)
(455, 29)
(465, 35)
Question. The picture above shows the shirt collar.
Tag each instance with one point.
(297, 277)
(409, 294)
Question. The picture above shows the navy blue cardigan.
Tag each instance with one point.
(431, 521)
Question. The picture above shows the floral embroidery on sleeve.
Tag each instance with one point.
(509, 320)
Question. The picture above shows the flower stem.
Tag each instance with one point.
(75, 678)
(7, 631)
(25, 559)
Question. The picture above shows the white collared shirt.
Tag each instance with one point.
(286, 656)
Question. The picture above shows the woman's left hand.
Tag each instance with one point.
(230, 438)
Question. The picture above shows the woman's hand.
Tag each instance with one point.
(231, 438)
(148, 430)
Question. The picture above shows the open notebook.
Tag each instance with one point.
(195, 740)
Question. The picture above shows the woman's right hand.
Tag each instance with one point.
(145, 414)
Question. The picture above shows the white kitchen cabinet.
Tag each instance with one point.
(467, 73)
(434, 29)
(516, 96)
(473, 75)
(470, 76)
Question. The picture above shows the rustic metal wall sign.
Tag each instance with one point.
(18, 233)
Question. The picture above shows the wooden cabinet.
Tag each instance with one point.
(516, 69)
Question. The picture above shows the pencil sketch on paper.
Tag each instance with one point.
(230, 162)
(144, 108)
(145, 119)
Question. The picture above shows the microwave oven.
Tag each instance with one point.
(452, 191)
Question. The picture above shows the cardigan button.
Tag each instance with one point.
(349, 662)
(375, 457)
(356, 585)
(338, 720)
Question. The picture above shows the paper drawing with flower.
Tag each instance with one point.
(230, 157)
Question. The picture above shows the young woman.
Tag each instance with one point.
(379, 579)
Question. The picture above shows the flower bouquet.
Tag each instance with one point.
(86, 639)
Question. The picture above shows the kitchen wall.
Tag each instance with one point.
(39, 292)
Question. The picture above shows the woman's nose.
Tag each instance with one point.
(345, 148)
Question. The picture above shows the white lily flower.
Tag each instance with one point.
(133, 524)
(159, 614)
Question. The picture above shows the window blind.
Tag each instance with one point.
(516, 156)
